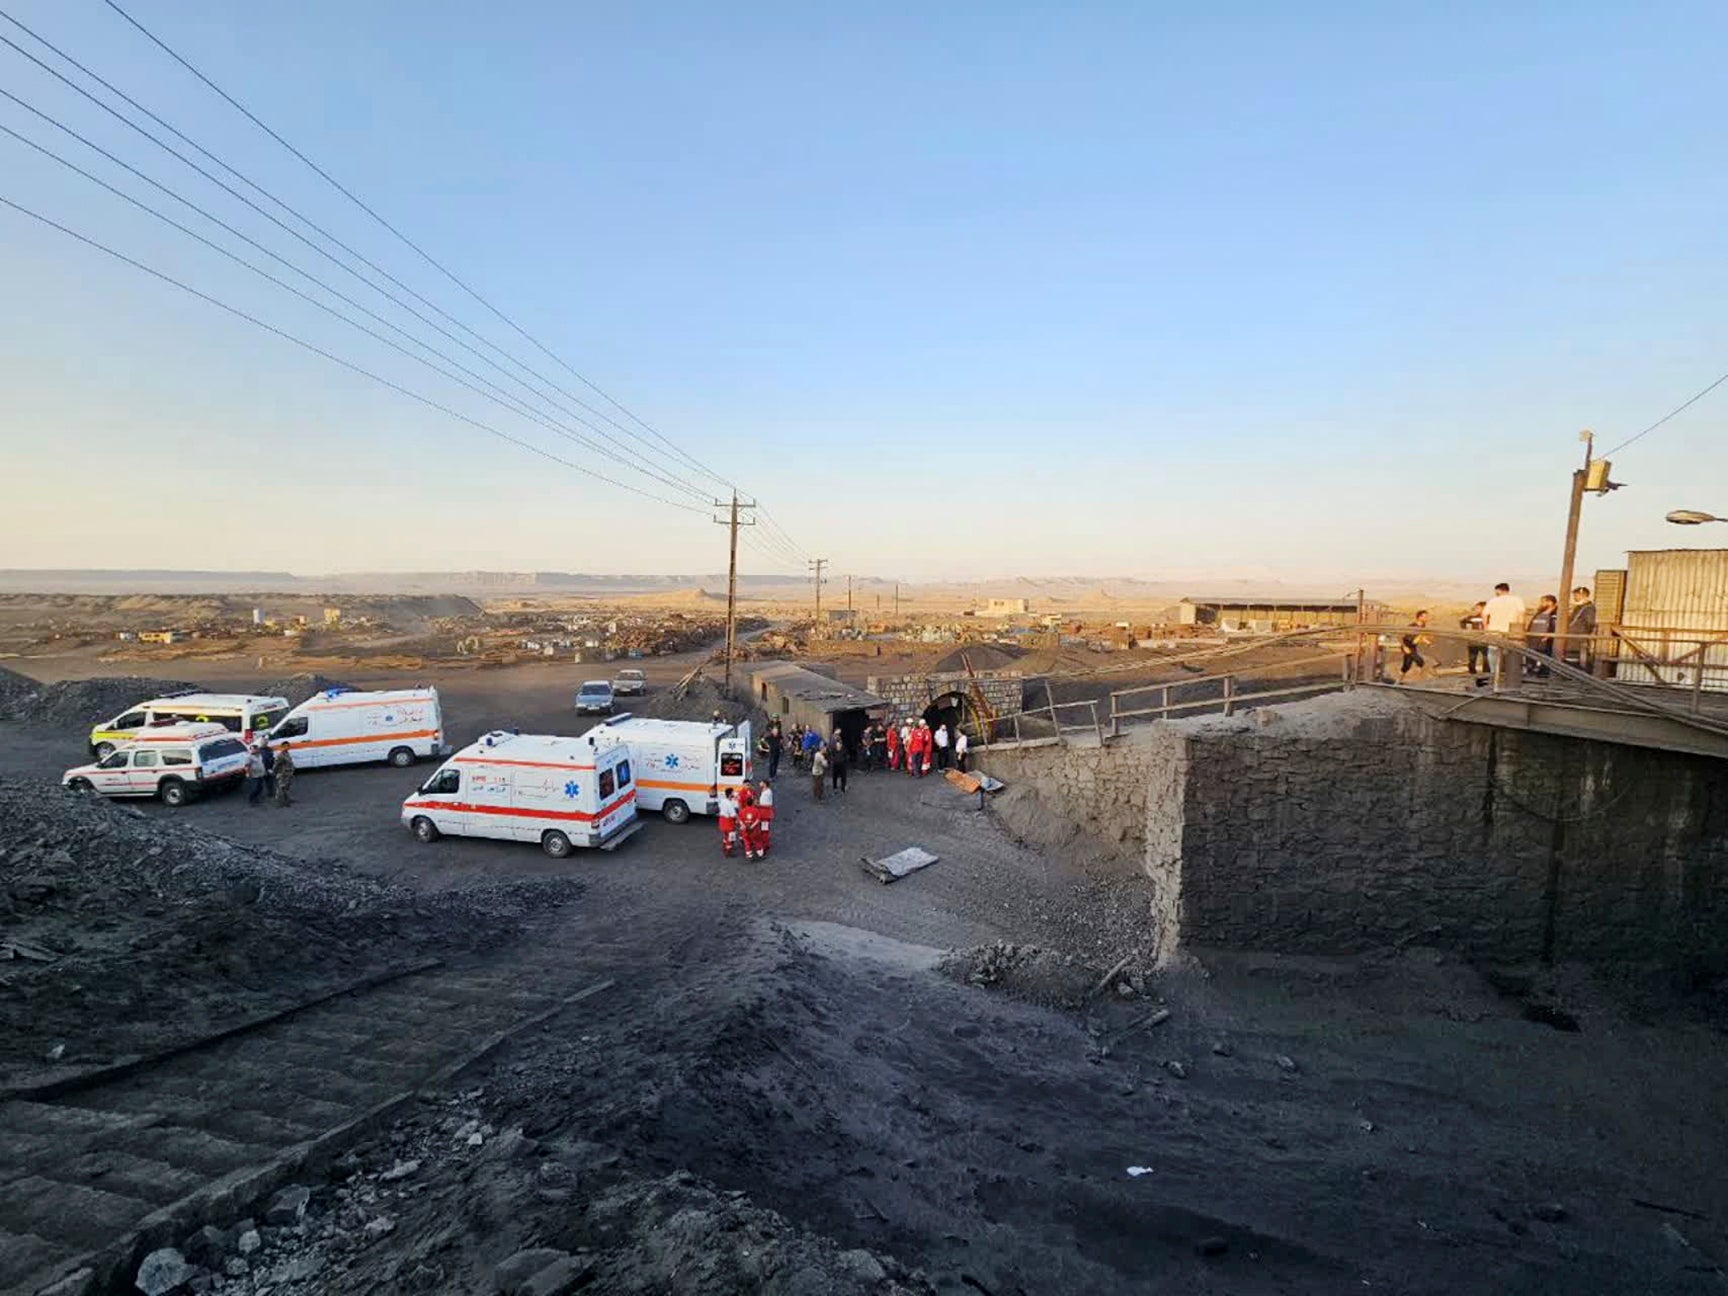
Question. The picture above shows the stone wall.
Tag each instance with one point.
(912, 693)
(1358, 821)
(1099, 792)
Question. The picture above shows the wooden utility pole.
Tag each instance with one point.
(731, 522)
(848, 593)
(896, 600)
(816, 565)
(1569, 557)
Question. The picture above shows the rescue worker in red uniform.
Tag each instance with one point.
(749, 822)
(728, 822)
(893, 747)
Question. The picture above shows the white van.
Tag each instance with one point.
(682, 764)
(172, 762)
(343, 726)
(560, 792)
(239, 713)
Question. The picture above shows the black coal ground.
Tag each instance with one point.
(1388, 1123)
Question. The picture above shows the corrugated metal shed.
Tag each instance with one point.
(1675, 597)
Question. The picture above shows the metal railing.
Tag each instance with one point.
(1632, 668)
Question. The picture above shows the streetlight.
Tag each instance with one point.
(1692, 517)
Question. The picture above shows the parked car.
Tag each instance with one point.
(172, 762)
(594, 698)
(630, 682)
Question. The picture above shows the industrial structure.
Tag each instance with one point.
(794, 695)
(1270, 615)
(1668, 610)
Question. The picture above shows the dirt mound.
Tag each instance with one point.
(84, 702)
(984, 657)
(1028, 972)
(128, 935)
(297, 688)
(698, 702)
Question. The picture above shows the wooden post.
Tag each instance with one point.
(1698, 679)
(1115, 720)
(1096, 724)
(1229, 695)
(1164, 702)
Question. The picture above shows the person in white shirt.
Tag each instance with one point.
(961, 744)
(942, 746)
(1504, 614)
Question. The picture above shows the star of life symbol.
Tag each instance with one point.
(672, 762)
(572, 789)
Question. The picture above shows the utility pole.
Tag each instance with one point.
(816, 565)
(731, 522)
(848, 593)
(896, 600)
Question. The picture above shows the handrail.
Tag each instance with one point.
(1633, 697)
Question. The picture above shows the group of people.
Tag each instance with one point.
(1506, 616)
(747, 819)
(269, 772)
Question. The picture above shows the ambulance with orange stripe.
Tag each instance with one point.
(344, 726)
(560, 792)
(681, 765)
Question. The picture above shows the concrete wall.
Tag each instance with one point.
(1357, 821)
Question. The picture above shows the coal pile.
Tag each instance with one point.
(1028, 972)
(78, 702)
(579, 1221)
(121, 935)
(699, 701)
(297, 688)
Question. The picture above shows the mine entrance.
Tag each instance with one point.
(951, 709)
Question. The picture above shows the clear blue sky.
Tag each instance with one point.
(1323, 291)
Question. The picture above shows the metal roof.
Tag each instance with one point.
(1250, 601)
(808, 686)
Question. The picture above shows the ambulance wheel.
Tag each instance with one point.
(81, 786)
(402, 757)
(174, 793)
(104, 750)
(424, 829)
(675, 811)
(555, 844)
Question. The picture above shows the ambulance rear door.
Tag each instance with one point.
(734, 757)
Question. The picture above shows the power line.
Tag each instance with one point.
(333, 358)
(689, 488)
(411, 244)
(1680, 408)
(496, 393)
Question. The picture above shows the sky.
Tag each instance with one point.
(1315, 293)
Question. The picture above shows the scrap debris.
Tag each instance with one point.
(16, 949)
(970, 783)
(891, 868)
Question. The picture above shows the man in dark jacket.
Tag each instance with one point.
(1581, 621)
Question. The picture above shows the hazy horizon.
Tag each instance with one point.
(1322, 293)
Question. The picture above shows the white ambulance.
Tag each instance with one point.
(240, 713)
(681, 765)
(560, 792)
(344, 726)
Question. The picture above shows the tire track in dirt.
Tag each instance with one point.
(94, 1173)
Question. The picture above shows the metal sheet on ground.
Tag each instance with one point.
(891, 868)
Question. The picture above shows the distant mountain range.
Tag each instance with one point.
(1041, 592)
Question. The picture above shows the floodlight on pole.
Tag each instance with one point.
(1692, 517)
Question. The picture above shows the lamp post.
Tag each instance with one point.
(1692, 517)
